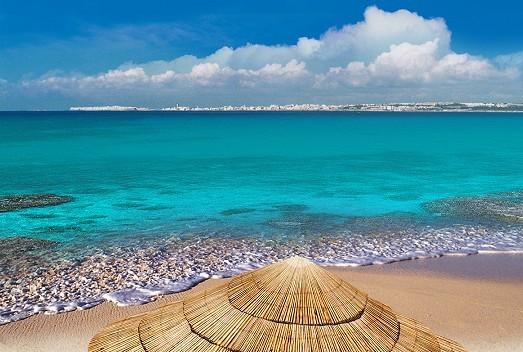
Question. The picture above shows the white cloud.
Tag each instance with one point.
(203, 74)
(511, 60)
(466, 67)
(166, 76)
(385, 51)
(408, 63)
(354, 42)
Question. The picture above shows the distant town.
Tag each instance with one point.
(398, 107)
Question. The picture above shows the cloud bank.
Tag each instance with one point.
(389, 56)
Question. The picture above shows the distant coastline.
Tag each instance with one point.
(381, 107)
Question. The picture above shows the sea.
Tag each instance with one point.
(191, 195)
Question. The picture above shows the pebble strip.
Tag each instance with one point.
(138, 273)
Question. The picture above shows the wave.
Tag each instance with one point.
(129, 276)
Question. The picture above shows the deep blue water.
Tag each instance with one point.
(152, 174)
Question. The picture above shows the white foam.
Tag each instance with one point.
(358, 250)
(142, 295)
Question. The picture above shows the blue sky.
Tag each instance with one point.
(60, 53)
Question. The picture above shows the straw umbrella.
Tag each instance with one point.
(292, 305)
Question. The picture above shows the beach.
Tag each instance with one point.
(476, 300)
(163, 201)
(265, 177)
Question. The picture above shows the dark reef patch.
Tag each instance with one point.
(39, 216)
(58, 229)
(23, 201)
(96, 190)
(15, 245)
(128, 205)
(291, 207)
(403, 196)
(505, 207)
(386, 223)
(187, 218)
(306, 223)
(237, 211)
(154, 207)
(21, 255)
(87, 222)
(97, 216)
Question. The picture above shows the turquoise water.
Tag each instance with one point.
(151, 174)
(162, 201)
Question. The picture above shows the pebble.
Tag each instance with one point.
(139, 274)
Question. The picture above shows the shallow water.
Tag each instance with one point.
(353, 180)
(159, 172)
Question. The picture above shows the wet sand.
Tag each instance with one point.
(476, 300)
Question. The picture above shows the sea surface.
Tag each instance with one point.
(179, 197)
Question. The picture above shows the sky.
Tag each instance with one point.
(57, 54)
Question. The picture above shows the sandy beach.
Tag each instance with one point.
(476, 300)
(246, 176)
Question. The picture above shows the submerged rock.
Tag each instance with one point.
(23, 201)
(154, 207)
(39, 216)
(291, 207)
(306, 223)
(236, 211)
(504, 207)
(19, 255)
(396, 221)
(128, 205)
(16, 245)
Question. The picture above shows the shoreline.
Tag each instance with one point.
(270, 111)
(142, 295)
(464, 297)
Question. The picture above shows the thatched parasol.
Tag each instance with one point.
(293, 305)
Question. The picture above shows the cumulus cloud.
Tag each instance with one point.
(202, 74)
(408, 63)
(353, 42)
(511, 60)
(385, 51)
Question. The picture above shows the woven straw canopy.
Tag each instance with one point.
(293, 305)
